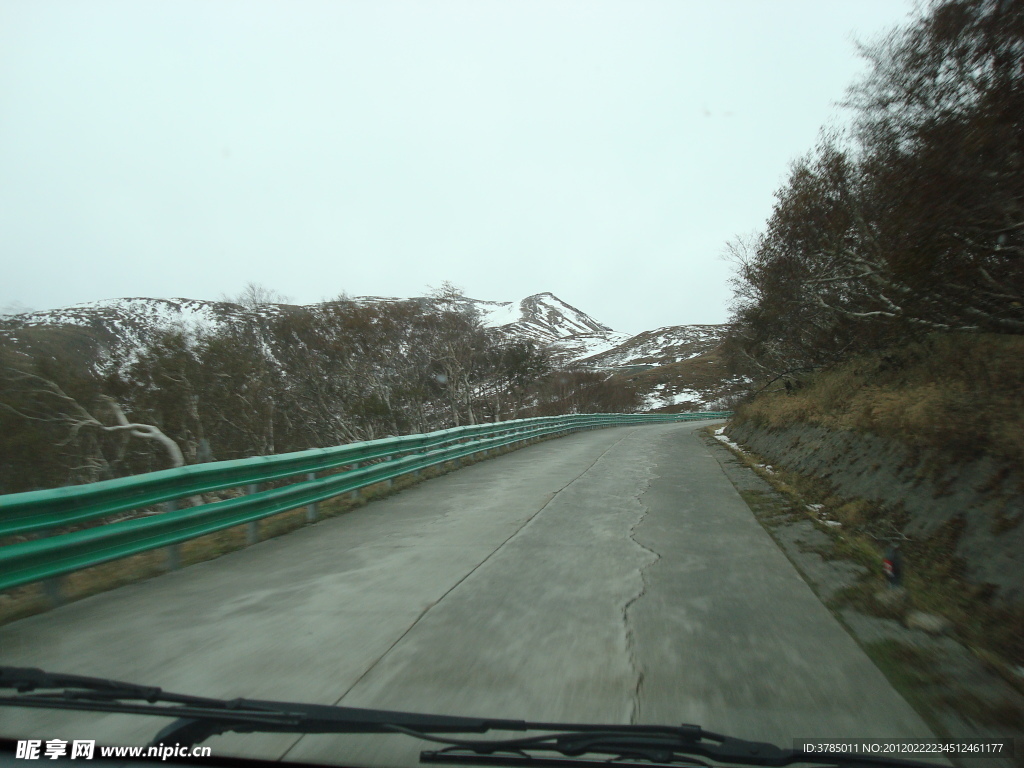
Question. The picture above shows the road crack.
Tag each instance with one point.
(412, 626)
(369, 669)
(631, 642)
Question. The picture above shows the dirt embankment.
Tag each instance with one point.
(922, 445)
(960, 689)
(930, 436)
(976, 507)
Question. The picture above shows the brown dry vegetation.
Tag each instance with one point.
(959, 394)
(705, 373)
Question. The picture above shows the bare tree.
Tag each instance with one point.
(42, 400)
(911, 223)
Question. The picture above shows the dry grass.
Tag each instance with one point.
(90, 581)
(951, 398)
(956, 394)
(19, 602)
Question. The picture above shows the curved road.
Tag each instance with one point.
(609, 576)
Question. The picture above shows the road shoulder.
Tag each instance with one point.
(943, 680)
(728, 634)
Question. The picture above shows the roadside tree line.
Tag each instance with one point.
(910, 221)
(272, 379)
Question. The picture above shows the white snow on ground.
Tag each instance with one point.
(591, 345)
(659, 399)
(818, 509)
(719, 435)
(543, 317)
(684, 396)
(548, 316)
(158, 312)
(495, 314)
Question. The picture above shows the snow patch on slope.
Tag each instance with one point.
(495, 314)
(662, 346)
(660, 398)
(573, 335)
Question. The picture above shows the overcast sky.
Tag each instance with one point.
(603, 151)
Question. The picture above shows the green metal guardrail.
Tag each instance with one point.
(38, 512)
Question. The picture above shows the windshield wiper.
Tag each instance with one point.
(198, 718)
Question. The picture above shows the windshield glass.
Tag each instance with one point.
(589, 363)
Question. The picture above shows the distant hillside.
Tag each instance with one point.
(84, 333)
(127, 322)
(543, 317)
(662, 346)
(697, 383)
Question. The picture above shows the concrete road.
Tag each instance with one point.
(611, 576)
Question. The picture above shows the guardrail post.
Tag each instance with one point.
(174, 550)
(311, 514)
(252, 532)
(54, 592)
(354, 496)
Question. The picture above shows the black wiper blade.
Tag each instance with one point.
(646, 745)
(459, 756)
(641, 746)
(198, 718)
(26, 679)
(47, 690)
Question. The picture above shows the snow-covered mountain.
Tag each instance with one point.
(571, 334)
(126, 321)
(542, 317)
(545, 318)
(671, 344)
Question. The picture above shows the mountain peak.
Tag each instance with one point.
(574, 337)
(559, 318)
